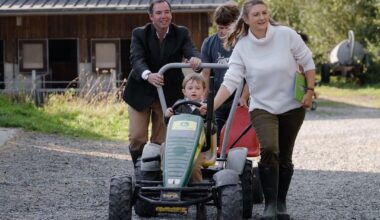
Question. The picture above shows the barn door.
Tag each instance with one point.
(63, 63)
(125, 45)
(2, 85)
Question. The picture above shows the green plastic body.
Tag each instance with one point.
(184, 140)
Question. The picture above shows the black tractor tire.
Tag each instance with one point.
(201, 212)
(314, 106)
(120, 198)
(230, 202)
(246, 179)
(142, 207)
(325, 73)
(257, 192)
(362, 79)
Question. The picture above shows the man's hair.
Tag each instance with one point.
(194, 77)
(153, 2)
(226, 13)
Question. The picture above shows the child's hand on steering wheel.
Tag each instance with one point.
(203, 109)
(169, 112)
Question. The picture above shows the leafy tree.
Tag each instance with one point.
(327, 22)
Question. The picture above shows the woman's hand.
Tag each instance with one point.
(307, 99)
(243, 102)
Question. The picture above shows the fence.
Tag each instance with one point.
(39, 88)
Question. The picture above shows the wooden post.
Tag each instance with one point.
(34, 88)
(113, 78)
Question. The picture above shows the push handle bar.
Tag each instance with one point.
(182, 65)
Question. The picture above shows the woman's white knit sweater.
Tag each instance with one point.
(269, 65)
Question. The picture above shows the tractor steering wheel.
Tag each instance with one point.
(184, 102)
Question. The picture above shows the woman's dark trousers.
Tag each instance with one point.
(277, 134)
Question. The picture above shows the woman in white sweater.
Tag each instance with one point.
(268, 56)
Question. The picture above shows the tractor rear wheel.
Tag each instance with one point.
(246, 179)
(230, 202)
(257, 194)
(142, 207)
(201, 212)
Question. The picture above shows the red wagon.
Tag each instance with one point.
(242, 133)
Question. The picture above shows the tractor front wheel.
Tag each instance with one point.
(120, 198)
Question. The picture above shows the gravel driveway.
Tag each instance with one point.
(337, 171)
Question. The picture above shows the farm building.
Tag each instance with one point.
(69, 40)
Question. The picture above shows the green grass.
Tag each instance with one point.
(366, 96)
(107, 119)
(67, 115)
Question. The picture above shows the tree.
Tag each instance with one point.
(327, 22)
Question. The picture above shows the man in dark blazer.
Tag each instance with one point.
(152, 46)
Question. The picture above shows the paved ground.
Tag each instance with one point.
(6, 134)
(336, 157)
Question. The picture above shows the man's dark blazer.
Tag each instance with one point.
(147, 53)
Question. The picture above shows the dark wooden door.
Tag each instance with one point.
(63, 63)
(124, 57)
(2, 85)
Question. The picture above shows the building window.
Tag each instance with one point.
(33, 55)
(105, 55)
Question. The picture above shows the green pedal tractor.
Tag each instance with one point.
(161, 184)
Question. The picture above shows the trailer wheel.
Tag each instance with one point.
(313, 105)
(120, 197)
(362, 79)
(325, 73)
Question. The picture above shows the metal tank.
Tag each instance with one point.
(347, 59)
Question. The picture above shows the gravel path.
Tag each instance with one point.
(337, 171)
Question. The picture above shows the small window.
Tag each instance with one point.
(33, 55)
(105, 55)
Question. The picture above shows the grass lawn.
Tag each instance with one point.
(67, 115)
(367, 96)
(107, 118)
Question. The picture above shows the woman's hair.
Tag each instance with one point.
(194, 77)
(240, 29)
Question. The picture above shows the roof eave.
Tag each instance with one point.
(102, 10)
